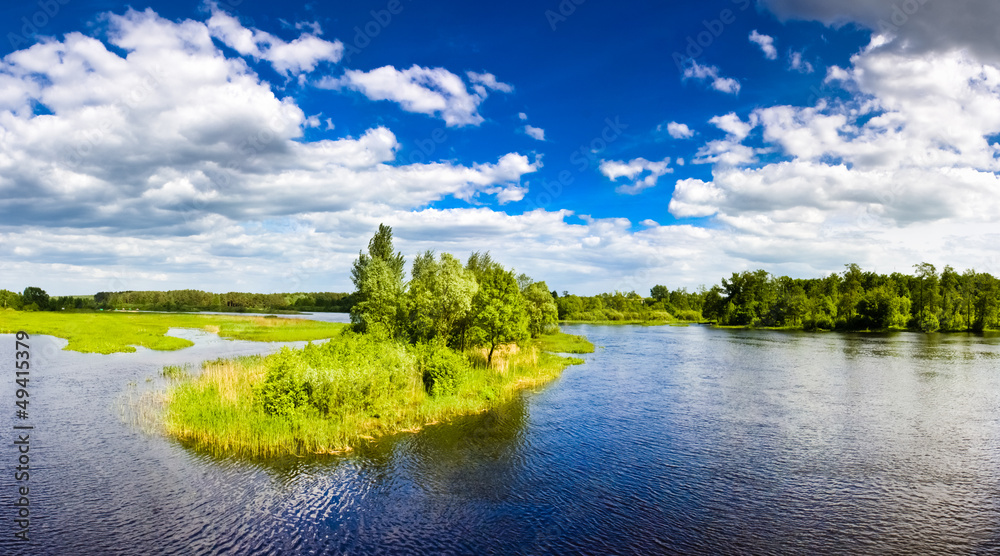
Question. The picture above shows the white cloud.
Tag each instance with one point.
(614, 169)
(766, 44)
(699, 72)
(733, 125)
(905, 171)
(797, 63)
(431, 91)
(522, 116)
(535, 132)
(484, 81)
(679, 131)
(299, 56)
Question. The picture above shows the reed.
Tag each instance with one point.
(328, 398)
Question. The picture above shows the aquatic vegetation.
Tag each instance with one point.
(325, 398)
(115, 332)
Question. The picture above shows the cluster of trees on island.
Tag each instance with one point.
(446, 302)
(453, 339)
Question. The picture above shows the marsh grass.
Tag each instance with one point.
(329, 398)
(114, 332)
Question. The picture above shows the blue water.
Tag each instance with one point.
(668, 440)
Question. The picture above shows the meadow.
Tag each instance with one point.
(121, 332)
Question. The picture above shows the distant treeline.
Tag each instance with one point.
(36, 299)
(852, 300)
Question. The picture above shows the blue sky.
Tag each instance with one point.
(600, 146)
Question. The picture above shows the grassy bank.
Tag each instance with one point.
(326, 398)
(113, 332)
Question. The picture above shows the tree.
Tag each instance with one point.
(35, 296)
(658, 292)
(440, 295)
(498, 310)
(378, 279)
(10, 300)
(542, 312)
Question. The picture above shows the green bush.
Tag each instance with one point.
(442, 369)
(282, 393)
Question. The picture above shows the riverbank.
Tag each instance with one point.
(120, 332)
(327, 398)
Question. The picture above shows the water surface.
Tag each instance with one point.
(668, 440)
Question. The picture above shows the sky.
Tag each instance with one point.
(241, 145)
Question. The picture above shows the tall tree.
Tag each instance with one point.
(498, 310)
(378, 279)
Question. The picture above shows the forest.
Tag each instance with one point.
(436, 302)
(854, 300)
(36, 299)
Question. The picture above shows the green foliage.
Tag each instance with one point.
(543, 316)
(176, 372)
(282, 391)
(442, 370)
(378, 279)
(498, 311)
(327, 397)
(10, 300)
(36, 297)
(440, 296)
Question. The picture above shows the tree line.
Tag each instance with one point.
(36, 299)
(446, 303)
(854, 299)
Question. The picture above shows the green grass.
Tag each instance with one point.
(115, 332)
(565, 343)
(329, 398)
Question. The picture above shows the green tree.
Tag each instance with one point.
(541, 307)
(378, 279)
(659, 292)
(440, 295)
(926, 301)
(10, 300)
(498, 311)
(35, 296)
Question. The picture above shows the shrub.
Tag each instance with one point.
(281, 393)
(442, 369)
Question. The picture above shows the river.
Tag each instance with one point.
(668, 440)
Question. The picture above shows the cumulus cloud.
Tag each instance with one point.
(432, 91)
(679, 131)
(170, 132)
(632, 170)
(711, 74)
(299, 56)
(905, 170)
(766, 44)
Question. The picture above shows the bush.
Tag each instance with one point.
(929, 322)
(281, 393)
(442, 369)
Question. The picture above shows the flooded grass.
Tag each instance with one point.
(326, 399)
(115, 332)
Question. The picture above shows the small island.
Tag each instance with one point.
(453, 340)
